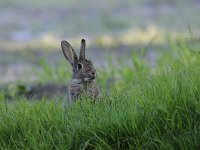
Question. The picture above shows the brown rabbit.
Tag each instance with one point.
(84, 74)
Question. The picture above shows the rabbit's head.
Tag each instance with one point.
(83, 69)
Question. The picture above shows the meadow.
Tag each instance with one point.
(141, 107)
(147, 56)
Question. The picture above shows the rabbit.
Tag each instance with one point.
(84, 74)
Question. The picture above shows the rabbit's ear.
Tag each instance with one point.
(82, 50)
(68, 52)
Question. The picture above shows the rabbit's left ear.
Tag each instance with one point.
(82, 50)
(69, 52)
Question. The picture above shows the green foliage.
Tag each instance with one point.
(140, 108)
(14, 89)
(59, 73)
(159, 111)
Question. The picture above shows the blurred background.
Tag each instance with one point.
(31, 31)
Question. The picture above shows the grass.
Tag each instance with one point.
(144, 108)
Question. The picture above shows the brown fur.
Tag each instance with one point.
(84, 75)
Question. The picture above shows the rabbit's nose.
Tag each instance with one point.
(93, 73)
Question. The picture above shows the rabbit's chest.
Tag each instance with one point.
(78, 89)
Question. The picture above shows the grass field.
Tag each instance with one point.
(147, 56)
(140, 108)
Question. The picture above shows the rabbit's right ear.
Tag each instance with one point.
(68, 52)
(82, 50)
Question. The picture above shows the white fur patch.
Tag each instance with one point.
(76, 80)
(87, 79)
(79, 80)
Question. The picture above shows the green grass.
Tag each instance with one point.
(144, 108)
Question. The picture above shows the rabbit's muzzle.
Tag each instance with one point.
(90, 77)
(93, 75)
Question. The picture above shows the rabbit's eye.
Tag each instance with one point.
(79, 66)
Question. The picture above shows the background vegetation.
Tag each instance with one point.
(147, 58)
